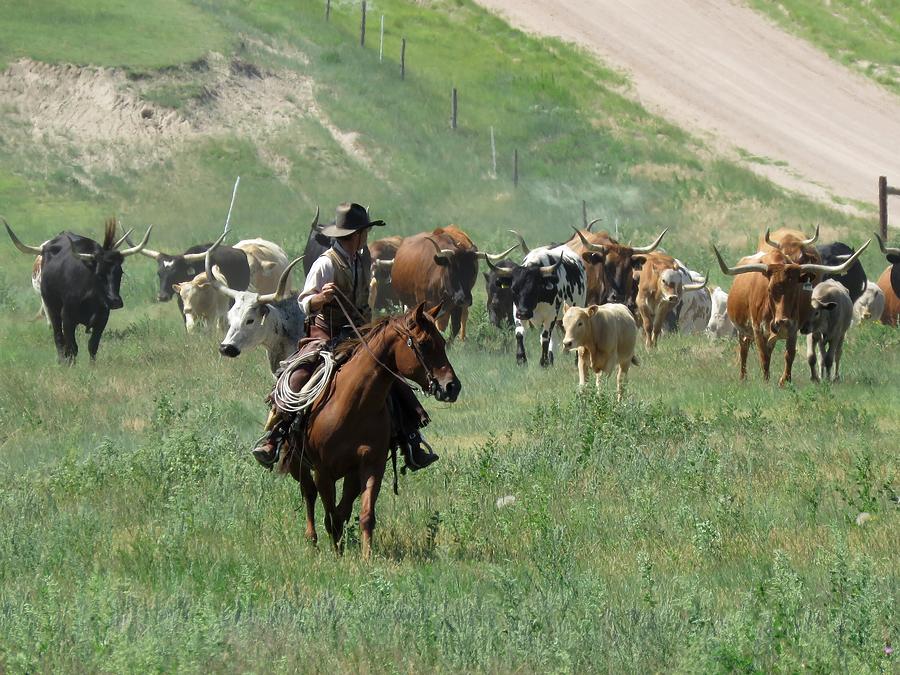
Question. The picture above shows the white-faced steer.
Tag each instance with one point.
(273, 320)
(546, 279)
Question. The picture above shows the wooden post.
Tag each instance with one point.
(362, 26)
(381, 42)
(516, 167)
(584, 213)
(327, 9)
(403, 58)
(453, 109)
(882, 206)
(493, 155)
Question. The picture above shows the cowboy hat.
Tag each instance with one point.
(349, 218)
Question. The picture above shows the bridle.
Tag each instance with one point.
(411, 343)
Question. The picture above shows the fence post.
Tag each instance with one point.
(403, 58)
(381, 42)
(327, 9)
(516, 167)
(362, 26)
(584, 213)
(453, 109)
(882, 206)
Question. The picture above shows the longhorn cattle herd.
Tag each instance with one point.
(600, 292)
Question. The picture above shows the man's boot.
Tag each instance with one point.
(266, 449)
(415, 455)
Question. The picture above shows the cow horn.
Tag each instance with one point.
(740, 269)
(835, 269)
(592, 223)
(522, 243)
(886, 250)
(811, 240)
(651, 247)
(495, 257)
(315, 223)
(441, 252)
(500, 271)
(696, 285)
(550, 270)
(137, 249)
(27, 250)
(225, 289)
(283, 280)
(124, 238)
(149, 252)
(197, 257)
(596, 248)
(384, 264)
(771, 242)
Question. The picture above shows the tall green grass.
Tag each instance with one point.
(702, 525)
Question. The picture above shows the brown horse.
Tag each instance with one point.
(348, 431)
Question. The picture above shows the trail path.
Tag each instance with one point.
(732, 77)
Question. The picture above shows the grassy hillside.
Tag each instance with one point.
(863, 34)
(701, 525)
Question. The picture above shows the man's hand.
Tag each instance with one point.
(322, 298)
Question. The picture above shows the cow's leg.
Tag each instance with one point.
(370, 484)
(463, 322)
(551, 343)
(326, 489)
(647, 323)
(621, 377)
(838, 350)
(70, 346)
(790, 351)
(455, 320)
(583, 367)
(827, 356)
(97, 328)
(811, 347)
(308, 490)
(765, 353)
(546, 358)
(521, 359)
(55, 316)
(744, 348)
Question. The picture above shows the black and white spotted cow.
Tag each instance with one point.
(546, 279)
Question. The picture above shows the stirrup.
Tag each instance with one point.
(411, 448)
(262, 452)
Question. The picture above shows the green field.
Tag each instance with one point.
(701, 525)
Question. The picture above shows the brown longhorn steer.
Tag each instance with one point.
(381, 293)
(793, 244)
(889, 283)
(439, 267)
(660, 288)
(766, 303)
(610, 266)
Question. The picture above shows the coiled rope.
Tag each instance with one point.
(298, 401)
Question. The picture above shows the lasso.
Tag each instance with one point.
(292, 401)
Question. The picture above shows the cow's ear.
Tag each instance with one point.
(638, 260)
(264, 311)
(439, 260)
(566, 306)
(268, 264)
(176, 288)
(592, 257)
(592, 310)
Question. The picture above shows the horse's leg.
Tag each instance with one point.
(370, 484)
(325, 486)
(308, 490)
(349, 493)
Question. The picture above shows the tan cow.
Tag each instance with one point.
(203, 303)
(793, 244)
(604, 336)
(267, 261)
(661, 287)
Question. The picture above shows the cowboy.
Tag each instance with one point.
(336, 292)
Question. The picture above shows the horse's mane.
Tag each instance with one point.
(348, 347)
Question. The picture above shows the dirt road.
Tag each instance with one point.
(733, 78)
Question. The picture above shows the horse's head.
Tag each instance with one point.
(422, 357)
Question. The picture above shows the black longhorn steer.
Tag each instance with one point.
(80, 281)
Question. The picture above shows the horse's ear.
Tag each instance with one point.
(435, 311)
(418, 313)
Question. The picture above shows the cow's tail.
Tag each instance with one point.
(634, 361)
